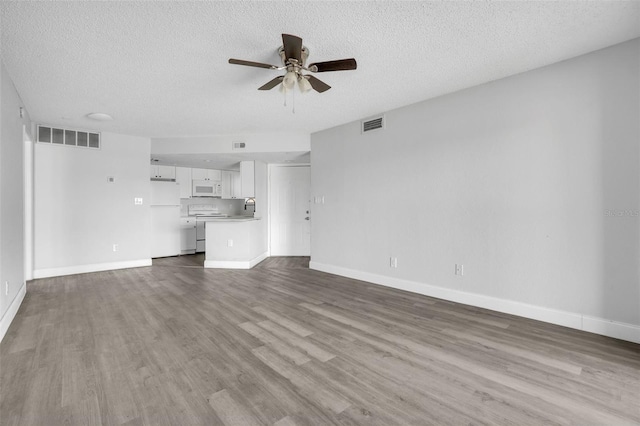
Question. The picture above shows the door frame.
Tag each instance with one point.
(28, 150)
(270, 167)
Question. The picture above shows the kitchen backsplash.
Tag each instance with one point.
(228, 207)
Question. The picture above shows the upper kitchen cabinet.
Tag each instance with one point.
(230, 184)
(163, 172)
(183, 178)
(236, 185)
(247, 179)
(206, 174)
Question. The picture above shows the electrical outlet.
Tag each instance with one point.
(6, 288)
(459, 269)
(115, 247)
(229, 243)
(393, 262)
(137, 201)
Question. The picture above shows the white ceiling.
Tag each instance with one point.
(160, 68)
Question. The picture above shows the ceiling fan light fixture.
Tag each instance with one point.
(304, 85)
(100, 116)
(289, 80)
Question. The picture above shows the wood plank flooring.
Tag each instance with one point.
(176, 344)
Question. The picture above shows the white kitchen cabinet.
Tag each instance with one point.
(226, 184)
(187, 235)
(206, 174)
(247, 179)
(162, 172)
(230, 184)
(236, 185)
(183, 178)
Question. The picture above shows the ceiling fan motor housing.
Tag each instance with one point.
(293, 62)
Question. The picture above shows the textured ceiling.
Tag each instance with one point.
(160, 68)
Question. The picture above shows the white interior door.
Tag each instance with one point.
(289, 194)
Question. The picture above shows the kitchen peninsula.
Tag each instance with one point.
(237, 242)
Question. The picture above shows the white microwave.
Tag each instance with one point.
(206, 188)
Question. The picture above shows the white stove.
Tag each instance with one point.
(203, 213)
(204, 210)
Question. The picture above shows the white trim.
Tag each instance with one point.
(27, 202)
(617, 330)
(10, 314)
(235, 264)
(83, 269)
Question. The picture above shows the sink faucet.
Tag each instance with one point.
(250, 202)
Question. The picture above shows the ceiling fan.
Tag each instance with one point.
(294, 56)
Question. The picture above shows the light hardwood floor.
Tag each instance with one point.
(284, 345)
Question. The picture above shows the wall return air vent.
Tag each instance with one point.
(68, 137)
(372, 124)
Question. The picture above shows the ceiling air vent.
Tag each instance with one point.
(68, 137)
(372, 124)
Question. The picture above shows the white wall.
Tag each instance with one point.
(11, 201)
(262, 204)
(222, 144)
(79, 215)
(516, 180)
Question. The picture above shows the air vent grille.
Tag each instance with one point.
(372, 124)
(68, 137)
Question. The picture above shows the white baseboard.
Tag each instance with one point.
(578, 321)
(618, 330)
(83, 269)
(10, 314)
(235, 264)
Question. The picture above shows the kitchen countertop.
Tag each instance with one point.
(232, 219)
(223, 218)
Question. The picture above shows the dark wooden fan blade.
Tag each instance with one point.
(251, 64)
(292, 47)
(318, 85)
(338, 65)
(273, 83)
